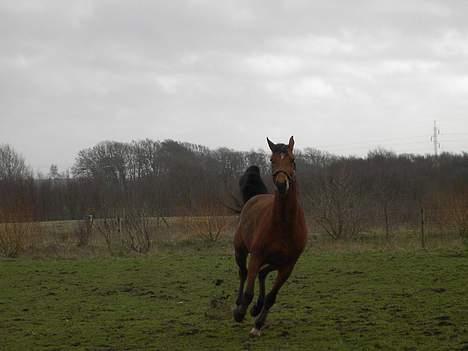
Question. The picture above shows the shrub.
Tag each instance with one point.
(13, 238)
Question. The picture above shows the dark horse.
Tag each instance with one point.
(273, 230)
(251, 184)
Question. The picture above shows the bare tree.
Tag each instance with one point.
(12, 164)
(337, 204)
(382, 170)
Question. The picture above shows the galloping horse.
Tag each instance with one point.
(273, 230)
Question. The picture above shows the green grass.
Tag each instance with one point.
(181, 299)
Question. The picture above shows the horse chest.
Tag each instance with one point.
(279, 251)
(281, 256)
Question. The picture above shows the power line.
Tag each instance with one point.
(371, 142)
(371, 145)
(454, 134)
(416, 141)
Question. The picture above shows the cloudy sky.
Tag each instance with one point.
(338, 75)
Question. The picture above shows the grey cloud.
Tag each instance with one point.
(228, 73)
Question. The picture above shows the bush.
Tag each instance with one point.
(84, 231)
(130, 233)
(13, 238)
(136, 232)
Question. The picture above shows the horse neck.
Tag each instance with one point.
(285, 207)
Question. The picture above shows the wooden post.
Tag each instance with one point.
(423, 239)
(89, 223)
(387, 226)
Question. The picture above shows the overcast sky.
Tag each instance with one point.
(343, 76)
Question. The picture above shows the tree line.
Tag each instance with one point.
(341, 195)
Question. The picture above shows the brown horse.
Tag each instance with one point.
(273, 230)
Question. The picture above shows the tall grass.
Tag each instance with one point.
(16, 233)
(140, 234)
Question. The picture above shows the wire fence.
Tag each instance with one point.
(422, 226)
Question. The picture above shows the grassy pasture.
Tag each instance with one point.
(180, 299)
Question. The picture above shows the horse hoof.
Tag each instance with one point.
(238, 317)
(255, 310)
(255, 332)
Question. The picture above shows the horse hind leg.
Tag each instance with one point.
(257, 308)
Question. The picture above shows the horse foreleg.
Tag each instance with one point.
(270, 298)
(257, 308)
(252, 271)
(241, 260)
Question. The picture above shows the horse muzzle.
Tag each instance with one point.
(282, 181)
(282, 186)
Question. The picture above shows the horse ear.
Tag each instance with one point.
(271, 144)
(291, 144)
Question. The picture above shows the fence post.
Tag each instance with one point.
(423, 239)
(387, 226)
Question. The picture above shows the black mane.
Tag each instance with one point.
(251, 184)
(280, 149)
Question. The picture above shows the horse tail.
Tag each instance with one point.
(251, 184)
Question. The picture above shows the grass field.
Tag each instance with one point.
(181, 299)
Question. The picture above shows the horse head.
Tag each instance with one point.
(283, 166)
